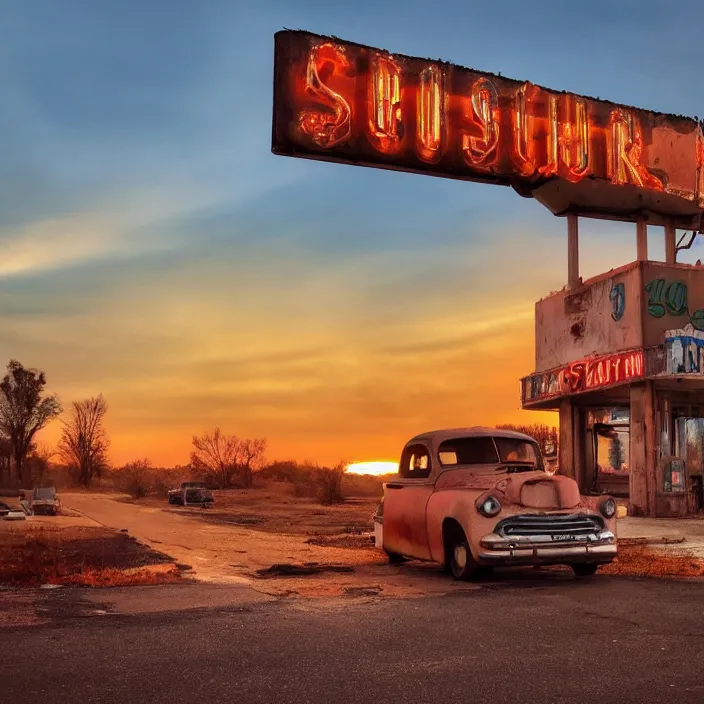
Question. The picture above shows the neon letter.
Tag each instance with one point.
(485, 105)
(625, 152)
(523, 131)
(430, 125)
(575, 139)
(385, 119)
(329, 127)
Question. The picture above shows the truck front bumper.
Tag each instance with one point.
(537, 549)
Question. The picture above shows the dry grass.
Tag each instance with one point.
(646, 562)
(79, 556)
(111, 577)
(275, 509)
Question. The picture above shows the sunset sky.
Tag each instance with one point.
(154, 250)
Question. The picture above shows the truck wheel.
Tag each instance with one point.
(459, 556)
(584, 569)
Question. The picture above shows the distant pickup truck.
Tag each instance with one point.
(191, 494)
(45, 502)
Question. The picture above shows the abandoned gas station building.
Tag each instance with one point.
(621, 357)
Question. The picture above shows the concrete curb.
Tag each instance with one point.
(665, 540)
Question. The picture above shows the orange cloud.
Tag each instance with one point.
(331, 361)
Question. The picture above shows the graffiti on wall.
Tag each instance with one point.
(670, 298)
(684, 350)
(617, 295)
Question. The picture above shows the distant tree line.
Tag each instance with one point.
(25, 409)
(223, 460)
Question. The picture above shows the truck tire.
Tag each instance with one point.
(584, 569)
(459, 556)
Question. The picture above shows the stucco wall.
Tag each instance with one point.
(600, 317)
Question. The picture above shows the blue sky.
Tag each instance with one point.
(155, 250)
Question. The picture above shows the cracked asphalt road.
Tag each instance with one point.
(529, 640)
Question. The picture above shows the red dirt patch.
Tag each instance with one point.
(80, 556)
(645, 562)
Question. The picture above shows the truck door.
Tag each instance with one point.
(405, 502)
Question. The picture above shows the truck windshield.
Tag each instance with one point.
(471, 450)
(515, 450)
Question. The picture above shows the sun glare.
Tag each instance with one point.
(372, 467)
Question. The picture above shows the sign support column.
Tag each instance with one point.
(572, 251)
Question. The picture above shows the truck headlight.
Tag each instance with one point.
(608, 508)
(490, 506)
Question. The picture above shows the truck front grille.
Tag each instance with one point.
(531, 525)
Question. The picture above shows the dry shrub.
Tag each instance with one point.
(282, 471)
(329, 484)
(364, 485)
(136, 478)
(304, 485)
(140, 479)
(308, 479)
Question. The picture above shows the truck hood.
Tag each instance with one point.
(535, 490)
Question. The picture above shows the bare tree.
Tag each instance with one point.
(5, 460)
(84, 444)
(226, 458)
(250, 456)
(23, 410)
(215, 454)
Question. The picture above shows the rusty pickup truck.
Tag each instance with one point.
(474, 498)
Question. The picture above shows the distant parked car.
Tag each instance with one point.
(45, 502)
(191, 494)
(7, 513)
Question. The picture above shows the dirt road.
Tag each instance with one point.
(220, 553)
(231, 554)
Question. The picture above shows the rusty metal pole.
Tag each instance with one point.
(572, 250)
(642, 236)
(670, 243)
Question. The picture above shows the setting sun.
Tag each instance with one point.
(378, 468)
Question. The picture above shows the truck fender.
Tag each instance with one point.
(447, 506)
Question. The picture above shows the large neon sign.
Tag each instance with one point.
(343, 102)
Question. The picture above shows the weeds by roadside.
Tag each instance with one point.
(86, 557)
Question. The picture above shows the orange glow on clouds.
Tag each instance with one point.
(329, 362)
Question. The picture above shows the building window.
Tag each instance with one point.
(674, 476)
(689, 443)
(612, 449)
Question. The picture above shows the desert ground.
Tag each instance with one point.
(273, 542)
